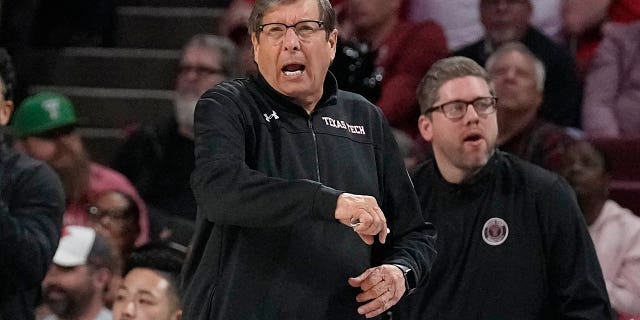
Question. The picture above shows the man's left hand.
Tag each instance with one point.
(382, 287)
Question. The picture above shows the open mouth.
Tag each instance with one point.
(473, 138)
(293, 69)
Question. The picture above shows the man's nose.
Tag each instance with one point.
(471, 115)
(129, 309)
(291, 40)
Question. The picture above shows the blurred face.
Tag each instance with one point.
(584, 169)
(514, 80)
(66, 155)
(68, 290)
(461, 146)
(109, 217)
(368, 14)
(505, 20)
(294, 66)
(144, 294)
(199, 70)
(63, 151)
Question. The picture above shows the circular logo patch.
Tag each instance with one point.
(495, 231)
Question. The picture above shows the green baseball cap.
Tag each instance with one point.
(43, 112)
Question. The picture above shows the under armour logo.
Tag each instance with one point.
(268, 117)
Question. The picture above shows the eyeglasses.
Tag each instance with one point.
(304, 29)
(115, 215)
(200, 71)
(483, 106)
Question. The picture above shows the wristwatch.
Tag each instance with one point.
(410, 282)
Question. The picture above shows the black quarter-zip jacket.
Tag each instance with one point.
(267, 179)
(545, 266)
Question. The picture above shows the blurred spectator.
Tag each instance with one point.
(159, 158)
(615, 230)
(115, 215)
(518, 79)
(31, 206)
(45, 125)
(509, 20)
(78, 277)
(150, 286)
(583, 20)
(385, 57)
(612, 92)
(460, 19)
(234, 26)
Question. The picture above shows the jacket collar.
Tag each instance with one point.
(475, 184)
(329, 94)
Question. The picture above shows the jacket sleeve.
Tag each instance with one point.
(576, 283)
(601, 90)
(30, 223)
(229, 192)
(412, 239)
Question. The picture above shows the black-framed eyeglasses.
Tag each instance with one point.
(304, 29)
(200, 70)
(483, 106)
(116, 215)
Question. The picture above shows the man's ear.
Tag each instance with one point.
(177, 315)
(425, 127)
(256, 46)
(5, 112)
(333, 43)
(102, 277)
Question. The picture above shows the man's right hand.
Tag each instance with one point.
(363, 214)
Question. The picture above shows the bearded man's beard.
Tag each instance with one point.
(185, 106)
(75, 177)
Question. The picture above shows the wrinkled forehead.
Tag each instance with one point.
(292, 11)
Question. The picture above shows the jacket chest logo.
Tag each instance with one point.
(495, 231)
(339, 124)
(273, 115)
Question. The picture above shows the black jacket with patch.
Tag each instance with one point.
(540, 265)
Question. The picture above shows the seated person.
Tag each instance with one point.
(45, 127)
(518, 78)
(385, 57)
(615, 230)
(612, 91)
(149, 289)
(78, 277)
(507, 21)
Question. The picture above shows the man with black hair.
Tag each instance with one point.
(150, 286)
(31, 206)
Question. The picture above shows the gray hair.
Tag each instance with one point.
(516, 46)
(442, 71)
(225, 47)
(327, 14)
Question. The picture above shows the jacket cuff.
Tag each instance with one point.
(325, 202)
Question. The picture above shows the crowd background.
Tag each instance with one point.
(128, 73)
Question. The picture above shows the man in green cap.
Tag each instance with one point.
(45, 126)
(31, 206)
